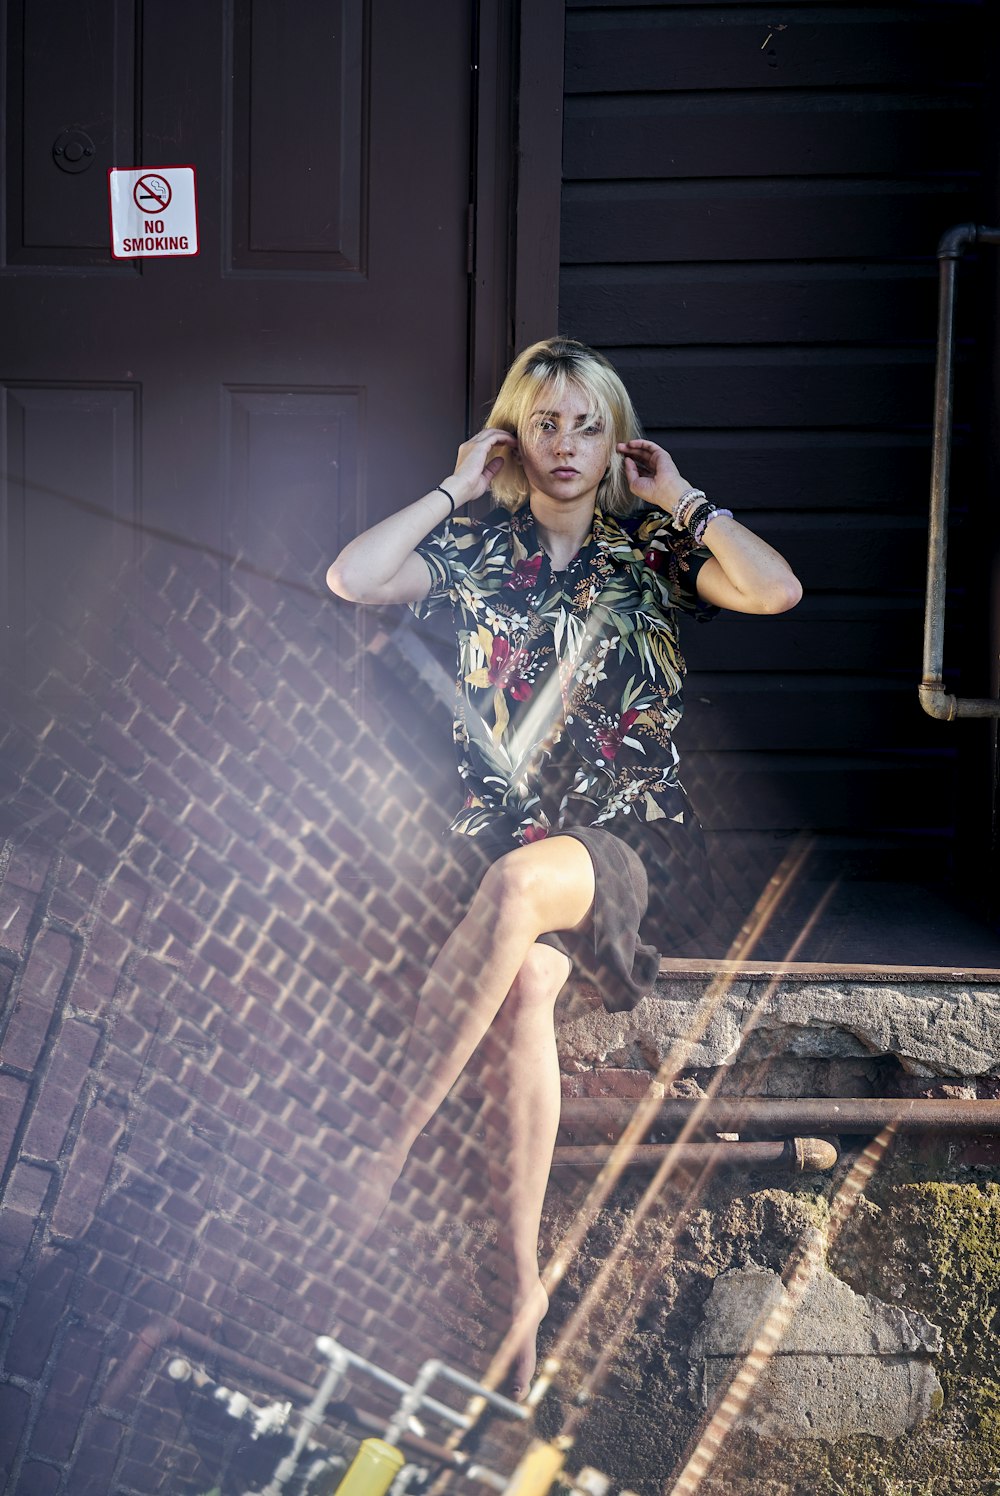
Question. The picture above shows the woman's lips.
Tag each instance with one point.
(564, 472)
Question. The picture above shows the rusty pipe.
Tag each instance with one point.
(165, 1331)
(935, 700)
(605, 1118)
(796, 1155)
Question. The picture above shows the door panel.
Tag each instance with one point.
(303, 445)
(71, 114)
(71, 511)
(308, 368)
(298, 135)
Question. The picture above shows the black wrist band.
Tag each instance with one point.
(451, 501)
(701, 514)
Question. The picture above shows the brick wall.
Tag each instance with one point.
(219, 886)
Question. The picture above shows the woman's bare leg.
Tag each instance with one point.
(521, 1072)
(547, 885)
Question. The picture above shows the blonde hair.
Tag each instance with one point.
(555, 365)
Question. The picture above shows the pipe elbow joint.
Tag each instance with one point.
(937, 702)
(955, 241)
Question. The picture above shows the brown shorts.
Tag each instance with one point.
(645, 897)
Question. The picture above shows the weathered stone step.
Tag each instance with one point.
(936, 1021)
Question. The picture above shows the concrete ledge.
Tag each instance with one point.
(934, 1022)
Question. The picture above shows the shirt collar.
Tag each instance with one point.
(606, 535)
(610, 537)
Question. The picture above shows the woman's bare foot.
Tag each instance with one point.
(529, 1310)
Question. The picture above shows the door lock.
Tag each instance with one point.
(73, 150)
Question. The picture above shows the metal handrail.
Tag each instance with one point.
(934, 699)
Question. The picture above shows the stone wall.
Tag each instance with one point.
(880, 1281)
(885, 1382)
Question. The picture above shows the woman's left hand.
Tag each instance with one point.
(652, 474)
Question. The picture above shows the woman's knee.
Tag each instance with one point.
(548, 885)
(541, 977)
(510, 890)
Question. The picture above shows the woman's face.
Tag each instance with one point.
(563, 455)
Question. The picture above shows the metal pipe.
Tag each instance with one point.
(591, 1120)
(310, 1421)
(934, 699)
(796, 1155)
(329, 1348)
(167, 1331)
(402, 1480)
(486, 1477)
(476, 1389)
(415, 1397)
(412, 1401)
(538, 1468)
(375, 1468)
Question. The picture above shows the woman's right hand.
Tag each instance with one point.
(380, 565)
(478, 462)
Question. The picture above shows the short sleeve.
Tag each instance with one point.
(441, 553)
(684, 588)
(676, 561)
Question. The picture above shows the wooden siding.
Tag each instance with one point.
(752, 199)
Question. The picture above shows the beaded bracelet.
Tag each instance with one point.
(685, 512)
(684, 505)
(698, 516)
(698, 531)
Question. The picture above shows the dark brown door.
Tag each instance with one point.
(186, 443)
(306, 370)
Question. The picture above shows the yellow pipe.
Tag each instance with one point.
(538, 1468)
(373, 1469)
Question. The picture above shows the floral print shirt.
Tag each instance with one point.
(569, 682)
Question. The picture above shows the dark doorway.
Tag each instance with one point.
(751, 205)
(219, 807)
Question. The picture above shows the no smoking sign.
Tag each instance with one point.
(154, 211)
(152, 193)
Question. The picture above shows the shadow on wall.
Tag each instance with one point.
(221, 839)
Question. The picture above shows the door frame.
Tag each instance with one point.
(516, 184)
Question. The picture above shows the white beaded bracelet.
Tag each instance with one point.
(684, 506)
